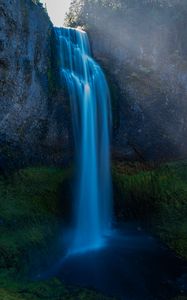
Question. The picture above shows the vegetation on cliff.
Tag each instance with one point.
(93, 12)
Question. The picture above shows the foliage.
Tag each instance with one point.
(83, 12)
(86, 12)
(159, 197)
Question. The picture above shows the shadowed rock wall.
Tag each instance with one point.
(34, 122)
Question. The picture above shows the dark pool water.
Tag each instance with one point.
(133, 266)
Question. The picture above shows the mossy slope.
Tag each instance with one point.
(49, 290)
(157, 196)
(29, 211)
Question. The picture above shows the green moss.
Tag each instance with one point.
(12, 289)
(50, 290)
(159, 197)
(10, 296)
(29, 211)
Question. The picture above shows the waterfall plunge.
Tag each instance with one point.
(91, 117)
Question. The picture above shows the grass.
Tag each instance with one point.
(157, 196)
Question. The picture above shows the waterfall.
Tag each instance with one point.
(91, 118)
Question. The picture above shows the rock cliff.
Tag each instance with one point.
(33, 113)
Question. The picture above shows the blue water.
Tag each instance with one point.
(133, 266)
(91, 118)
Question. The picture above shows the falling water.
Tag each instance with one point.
(91, 116)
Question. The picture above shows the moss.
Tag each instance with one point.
(50, 289)
(157, 196)
(9, 295)
(29, 211)
(12, 289)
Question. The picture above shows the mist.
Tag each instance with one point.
(142, 47)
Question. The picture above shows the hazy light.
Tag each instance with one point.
(57, 10)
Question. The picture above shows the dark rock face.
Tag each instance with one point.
(34, 112)
(143, 53)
